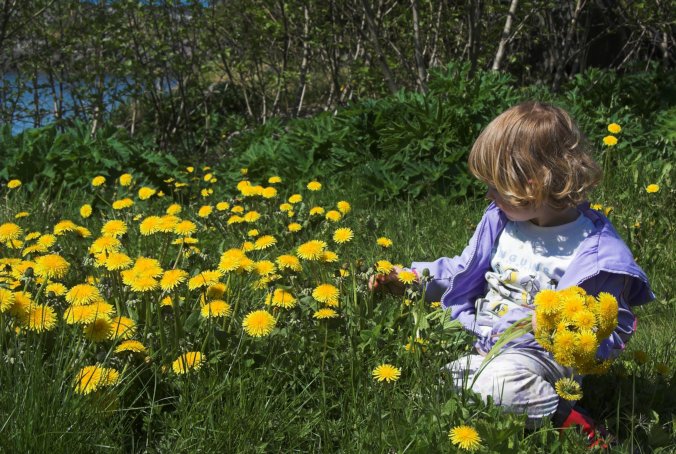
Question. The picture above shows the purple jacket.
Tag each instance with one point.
(603, 263)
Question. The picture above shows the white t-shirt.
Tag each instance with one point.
(527, 258)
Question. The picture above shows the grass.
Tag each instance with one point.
(308, 386)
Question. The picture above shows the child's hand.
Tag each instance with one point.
(388, 282)
(533, 321)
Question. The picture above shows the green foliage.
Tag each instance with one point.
(405, 145)
(71, 158)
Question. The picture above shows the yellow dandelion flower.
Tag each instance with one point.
(10, 232)
(105, 245)
(6, 299)
(85, 210)
(407, 277)
(607, 307)
(311, 250)
(343, 235)
(222, 206)
(150, 225)
(285, 207)
(21, 304)
(252, 216)
(125, 179)
(547, 301)
(327, 294)
(215, 308)
(274, 180)
(204, 279)
(248, 246)
(64, 226)
(231, 260)
(168, 223)
(172, 279)
(98, 180)
(384, 267)
(116, 261)
(584, 320)
(269, 192)
(82, 294)
(572, 305)
(51, 266)
(384, 242)
(115, 228)
(333, 216)
(288, 262)
(190, 169)
(294, 227)
(139, 281)
(325, 313)
(314, 186)
(122, 328)
(265, 267)
(56, 288)
(564, 346)
(614, 128)
(264, 242)
(133, 346)
(253, 233)
(122, 204)
(80, 314)
(317, 211)
(329, 257)
(568, 389)
(652, 188)
(92, 378)
(465, 437)
(295, 198)
(586, 343)
(610, 141)
(40, 318)
(99, 330)
(185, 228)
(216, 291)
(386, 372)
(205, 211)
(206, 192)
(21, 214)
(145, 193)
(13, 184)
(344, 207)
(174, 209)
(281, 298)
(32, 236)
(258, 323)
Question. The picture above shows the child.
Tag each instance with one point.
(538, 233)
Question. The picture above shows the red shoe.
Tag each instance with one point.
(576, 416)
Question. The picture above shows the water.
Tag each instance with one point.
(77, 99)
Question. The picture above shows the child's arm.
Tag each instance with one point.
(620, 287)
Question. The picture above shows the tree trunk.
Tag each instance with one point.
(563, 58)
(474, 38)
(499, 55)
(380, 56)
(419, 62)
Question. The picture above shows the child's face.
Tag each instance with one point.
(513, 213)
(543, 215)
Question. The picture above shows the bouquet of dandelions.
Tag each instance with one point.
(570, 324)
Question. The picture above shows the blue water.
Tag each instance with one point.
(76, 99)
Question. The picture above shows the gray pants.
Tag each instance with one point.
(520, 380)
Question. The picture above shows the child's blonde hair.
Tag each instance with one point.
(535, 153)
